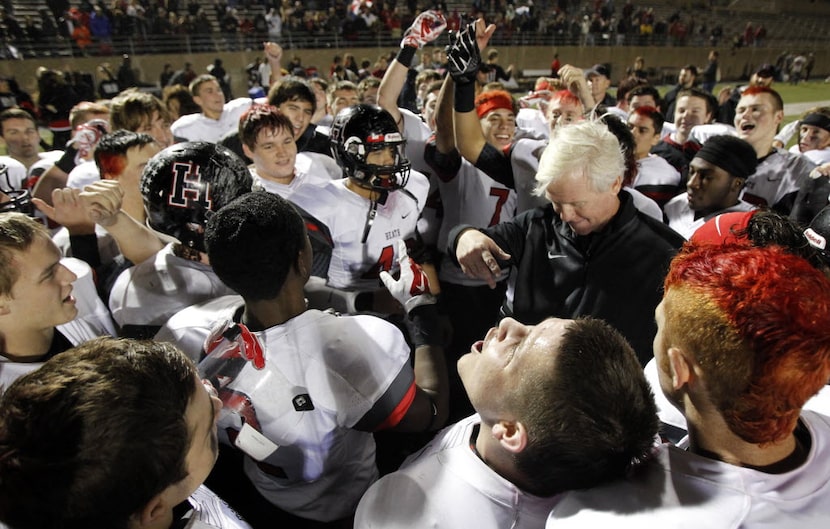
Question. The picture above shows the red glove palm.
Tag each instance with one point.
(424, 29)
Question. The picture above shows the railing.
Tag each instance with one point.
(218, 42)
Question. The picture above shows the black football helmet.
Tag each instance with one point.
(361, 129)
(818, 234)
(185, 183)
(12, 199)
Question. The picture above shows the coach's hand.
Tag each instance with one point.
(478, 256)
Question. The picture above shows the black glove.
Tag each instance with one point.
(463, 55)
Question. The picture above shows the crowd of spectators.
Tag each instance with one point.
(106, 27)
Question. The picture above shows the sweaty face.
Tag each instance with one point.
(812, 138)
(711, 188)
(41, 297)
(645, 137)
(498, 127)
(159, 129)
(756, 119)
(298, 113)
(689, 112)
(342, 99)
(583, 208)
(21, 137)
(495, 366)
(562, 112)
(274, 154)
(211, 99)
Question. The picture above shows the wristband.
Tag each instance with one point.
(67, 161)
(424, 325)
(406, 55)
(465, 97)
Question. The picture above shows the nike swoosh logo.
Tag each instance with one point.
(404, 216)
(418, 286)
(555, 255)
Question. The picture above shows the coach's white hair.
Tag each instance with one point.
(588, 148)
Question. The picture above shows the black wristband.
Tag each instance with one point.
(67, 161)
(465, 97)
(424, 325)
(406, 55)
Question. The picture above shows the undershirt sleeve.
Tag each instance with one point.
(496, 164)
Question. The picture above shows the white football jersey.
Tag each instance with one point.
(681, 489)
(777, 175)
(355, 264)
(471, 197)
(293, 401)
(150, 292)
(446, 485)
(198, 127)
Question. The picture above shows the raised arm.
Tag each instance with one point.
(424, 29)
(103, 203)
(273, 53)
(430, 407)
(573, 78)
(464, 59)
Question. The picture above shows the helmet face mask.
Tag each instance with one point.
(357, 132)
(19, 200)
(185, 183)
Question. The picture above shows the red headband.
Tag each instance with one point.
(493, 100)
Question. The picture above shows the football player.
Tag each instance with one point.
(379, 200)
(182, 186)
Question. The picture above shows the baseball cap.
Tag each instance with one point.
(724, 228)
(598, 69)
(765, 70)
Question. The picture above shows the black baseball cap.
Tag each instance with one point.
(598, 69)
(765, 70)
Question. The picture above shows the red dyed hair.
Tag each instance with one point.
(755, 90)
(566, 96)
(111, 164)
(758, 322)
(656, 117)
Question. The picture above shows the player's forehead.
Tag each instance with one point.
(270, 134)
(18, 123)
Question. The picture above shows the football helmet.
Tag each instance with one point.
(361, 129)
(818, 233)
(185, 183)
(12, 199)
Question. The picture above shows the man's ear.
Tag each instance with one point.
(738, 184)
(152, 512)
(512, 436)
(681, 367)
(4, 305)
(617, 185)
(248, 152)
